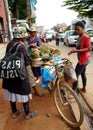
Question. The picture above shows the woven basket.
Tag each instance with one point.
(37, 62)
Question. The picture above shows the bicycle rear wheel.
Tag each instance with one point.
(68, 105)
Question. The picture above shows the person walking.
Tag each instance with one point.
(16, 89)
(82, 49)
(57, 39)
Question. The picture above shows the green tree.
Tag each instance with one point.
(18, 8)
(83, 7)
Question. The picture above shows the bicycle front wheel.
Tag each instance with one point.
(68, 104)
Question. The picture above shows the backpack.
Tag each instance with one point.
(13, 65)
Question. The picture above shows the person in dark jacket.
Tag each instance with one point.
(17, 90)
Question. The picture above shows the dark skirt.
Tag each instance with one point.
(36, 71)
(17, 86)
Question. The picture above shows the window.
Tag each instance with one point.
(71, 33)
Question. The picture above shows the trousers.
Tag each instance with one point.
(80, 70)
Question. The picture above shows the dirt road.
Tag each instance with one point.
(43, 105)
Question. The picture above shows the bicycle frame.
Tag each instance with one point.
(59, 67)
(57, 79)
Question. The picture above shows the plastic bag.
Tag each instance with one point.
(58, 60)
(48, 75)
(69, 73)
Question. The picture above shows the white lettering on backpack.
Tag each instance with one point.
(13, 64)
(9, 74)
(3, 64)
(18, 63)
(16, 74)
(9, 65)
(9, 69)
(2, 74)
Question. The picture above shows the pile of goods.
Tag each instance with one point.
(45, 50)
(35, 53)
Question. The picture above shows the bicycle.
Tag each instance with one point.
(65, 99)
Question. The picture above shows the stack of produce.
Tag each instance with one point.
(45, 50)
(54, 50)
(35, 53)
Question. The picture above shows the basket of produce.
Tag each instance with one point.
(44, 51)
(54, 51)
(37, 62)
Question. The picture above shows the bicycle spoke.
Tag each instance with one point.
(68, 105)
(65, 107)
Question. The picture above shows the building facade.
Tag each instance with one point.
(61, 27)
(3, 21)
(89, 22)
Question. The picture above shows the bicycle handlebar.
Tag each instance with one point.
(45, 64)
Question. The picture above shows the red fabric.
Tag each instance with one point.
(85, 43)
(45, 36)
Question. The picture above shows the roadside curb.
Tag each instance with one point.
(88, 108)
(87, 98)
(84, 125)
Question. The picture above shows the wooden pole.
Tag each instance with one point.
(8, 20)
(28, 12)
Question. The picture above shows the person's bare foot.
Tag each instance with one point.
(37, 80)
(37, 92)
(83, 89)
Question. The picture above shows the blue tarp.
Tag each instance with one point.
(48, 75)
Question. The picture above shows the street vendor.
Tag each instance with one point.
(82, 49)
(32, 77)
(33, 42)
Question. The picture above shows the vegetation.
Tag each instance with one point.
(18, 8)
(83, 7)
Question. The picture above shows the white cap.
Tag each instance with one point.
(20, 32)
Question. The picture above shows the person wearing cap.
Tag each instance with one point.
(82, 49)
(25, 25)
(34, 41)
(32, 78)
(17, 90)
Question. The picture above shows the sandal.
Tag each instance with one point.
(31, 115)
(17, 113)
